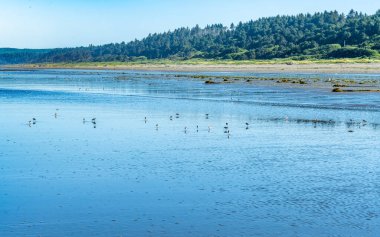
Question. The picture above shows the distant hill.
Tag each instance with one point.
(303, 36)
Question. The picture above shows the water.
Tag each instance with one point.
(308, 164)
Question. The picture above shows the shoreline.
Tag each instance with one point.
(365, 68)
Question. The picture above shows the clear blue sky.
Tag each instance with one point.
(66, 23)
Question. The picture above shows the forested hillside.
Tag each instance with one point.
(319, 35)
(12, 56)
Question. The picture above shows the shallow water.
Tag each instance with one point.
(308, 164)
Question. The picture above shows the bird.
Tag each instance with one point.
(226, 127)
(145, 120)
(197, 128)
(171, 118)
(156, 126)
(185, 129)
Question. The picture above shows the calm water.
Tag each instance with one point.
(307, 165)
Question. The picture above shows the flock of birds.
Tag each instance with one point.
(186, 129)
(33, 121)
(226, 127)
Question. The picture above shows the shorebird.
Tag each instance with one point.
(156, 126)
(145, 120)
(197, 128)
(226, 127)
(209, 129)
(185, 129)
(171, 118)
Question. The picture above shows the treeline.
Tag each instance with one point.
(14, 56)
(319, 35)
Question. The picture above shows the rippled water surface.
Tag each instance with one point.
(308, 163)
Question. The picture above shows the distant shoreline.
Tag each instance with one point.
(339, 85)
(313, 67)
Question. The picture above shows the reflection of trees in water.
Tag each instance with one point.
(324, 123)
(314, 122)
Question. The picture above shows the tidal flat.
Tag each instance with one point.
(137, 153)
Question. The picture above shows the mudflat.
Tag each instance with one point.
(260, 67)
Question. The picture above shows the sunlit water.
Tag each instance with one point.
(308, 164)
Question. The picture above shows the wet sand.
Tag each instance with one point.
(264, 68)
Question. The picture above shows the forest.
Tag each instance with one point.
(305, 36)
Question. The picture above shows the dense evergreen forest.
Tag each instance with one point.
(13, 56)
(319, 35)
